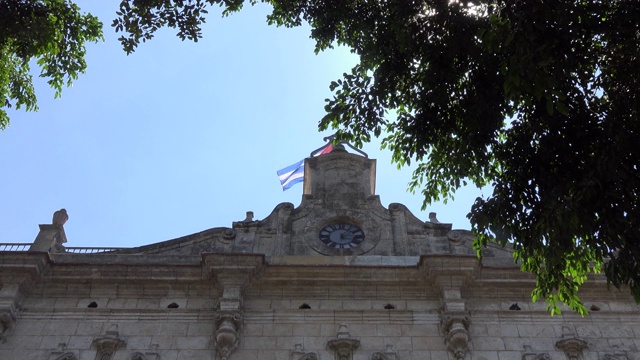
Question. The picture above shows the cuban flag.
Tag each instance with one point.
(294, 173)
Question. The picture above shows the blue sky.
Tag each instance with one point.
(179, 137)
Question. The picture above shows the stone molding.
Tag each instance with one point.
(572, 348)
(538, 356)
(456, 333)
(228, 325)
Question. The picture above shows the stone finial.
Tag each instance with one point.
(343, 332)
(60, 217)
(249, 217)
(52, 236)
(433, 218)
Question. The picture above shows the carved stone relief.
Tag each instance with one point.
(109, 344)
(530, 354)
(456, 334)
(309, 356)
(388, 354)
(615, 357)
(67, 356)
(227, 336)
(299, 354)
(343, 346)
(138, 356)
(153, 355)
(7, 321)
(572, 348)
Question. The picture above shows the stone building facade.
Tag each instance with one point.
(340, 277)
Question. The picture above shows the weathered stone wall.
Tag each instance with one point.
(293, 311)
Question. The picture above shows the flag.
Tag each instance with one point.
(294, 173)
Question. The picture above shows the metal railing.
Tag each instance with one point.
(91, 250)
(19, 247)
(14, 247)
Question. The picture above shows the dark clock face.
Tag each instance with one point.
(341, 235)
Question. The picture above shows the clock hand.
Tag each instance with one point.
(346, 235)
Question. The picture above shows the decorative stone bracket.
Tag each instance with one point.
(233, 272)
(227, 336)
(388, 354)
(538, 356)
(344, 345)
(66, 356)
(456, 333)
(7, 320)
(572, 348)
(300, 354)
(146, 356)
(622, 356)
(109, 344)
(62, 354)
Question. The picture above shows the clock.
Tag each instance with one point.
(341, 235)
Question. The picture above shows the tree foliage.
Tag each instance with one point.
(51, 32)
